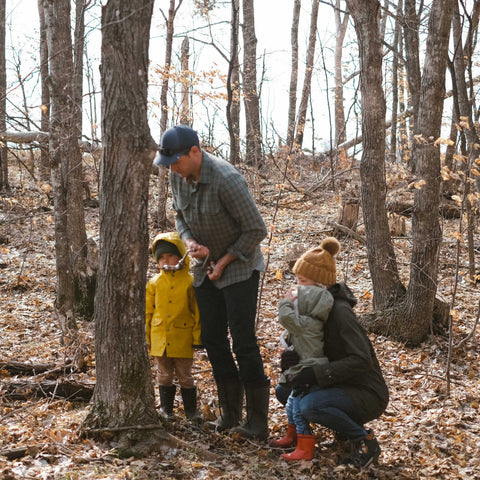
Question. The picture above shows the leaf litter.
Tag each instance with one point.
(424, 434)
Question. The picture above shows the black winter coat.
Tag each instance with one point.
(353, 365)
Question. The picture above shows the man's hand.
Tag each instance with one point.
(195, 250)
(215, 270)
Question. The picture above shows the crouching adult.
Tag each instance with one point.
(345, 393)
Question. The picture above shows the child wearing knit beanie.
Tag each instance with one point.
(303, 312)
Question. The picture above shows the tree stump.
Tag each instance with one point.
(348, 215)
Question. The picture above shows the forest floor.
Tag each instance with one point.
(429, 431)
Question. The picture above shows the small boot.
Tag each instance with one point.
(189, 396)
(304, 450)
(364, 451)
(230, 399)
(288, 440)
(167, 397)
(256, 425)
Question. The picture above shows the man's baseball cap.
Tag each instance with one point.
(176, 141)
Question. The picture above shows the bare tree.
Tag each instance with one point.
(123, 393)
(381, 255)
(292, 91)
(4, 185)
(426, 232)
(233, 87)
(185, 113)
(340, 31)
(307, 81)
(406, 317)
(66, 161)
(253, 152)
(411, 29)
(395, 88)
(466, 126)
(162, 171)
(44, 167)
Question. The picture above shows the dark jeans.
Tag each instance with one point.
(331, 407)
(233, 309)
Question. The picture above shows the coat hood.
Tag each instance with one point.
(314, 301)
(174, 238)
(341, 291)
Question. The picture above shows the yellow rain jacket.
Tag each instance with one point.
(172, 317)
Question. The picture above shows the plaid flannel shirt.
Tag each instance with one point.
(219, 212)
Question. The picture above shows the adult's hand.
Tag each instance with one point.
(216, 269)
(288, 359)
(195, 250)
(305, 377)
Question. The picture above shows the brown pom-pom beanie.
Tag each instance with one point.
(318, 264)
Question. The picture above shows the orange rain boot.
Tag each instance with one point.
(286, 441)
(304, 450)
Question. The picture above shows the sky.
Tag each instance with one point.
(273, 23)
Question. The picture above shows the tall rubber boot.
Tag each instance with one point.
(256, 425)
(230, 399)
(167, 397)
(189, 396)
(304, 450)
(288, 440)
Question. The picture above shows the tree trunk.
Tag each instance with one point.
(44, 167)
(185, 113)
(253, 153)
(63, 147)
(426, 232)
(123, 393)
(381, 256)
(292, 92)
(78, 49)
(411, 28)
(233, 87)
(340, 31)
(75, 287)
(467, 128)
(4, 184)
(395, 73)
(162, 170)
(307, 82)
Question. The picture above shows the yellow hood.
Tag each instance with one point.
(174, 238)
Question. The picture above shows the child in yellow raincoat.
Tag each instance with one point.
(173, 323)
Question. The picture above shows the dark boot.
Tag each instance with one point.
(364, 451)
(256, 425)
(167, 397)
(189, 396)
(230, 399)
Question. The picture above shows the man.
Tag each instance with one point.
(217, 219)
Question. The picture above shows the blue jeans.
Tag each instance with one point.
(294, 415)
(233, 309)
(331, 407)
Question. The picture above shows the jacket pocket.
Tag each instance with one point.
(183, 323)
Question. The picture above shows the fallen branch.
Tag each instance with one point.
(23, 389)
(19, 368)
(347, 231)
